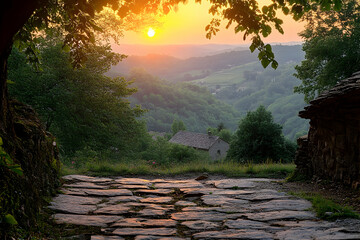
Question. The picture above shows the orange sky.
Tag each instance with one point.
(187, 26)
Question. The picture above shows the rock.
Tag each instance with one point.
(303, 233)
(201, 225)
(180, 184)
(234, 234)
(184, 203)
(155, 191)
(121, 199)
(144, 231)
(133, 181)
(157, 200)
(263, 195)
(113, 209)
(87, 179)
(232, 183)
(86, 220)
(157, 238)
(108, 192)
(248, 224)
(279, 205)
(280, 215)
(222, 200)
(130, 186)
(74, 204)
(206, 216)
(202, 177)
(88, 185)
(142, 222)
(98, 237)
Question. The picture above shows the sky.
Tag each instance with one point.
(187, 26)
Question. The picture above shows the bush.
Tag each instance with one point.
(259, 138)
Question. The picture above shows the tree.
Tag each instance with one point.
(258, 138)
(177, 126)
(332, 47)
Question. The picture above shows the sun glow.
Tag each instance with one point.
(151, 32)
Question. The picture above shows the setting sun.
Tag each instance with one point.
(151, 32)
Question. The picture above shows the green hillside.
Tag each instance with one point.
(193, 105)
(248, 86)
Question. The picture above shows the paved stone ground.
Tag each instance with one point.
(169, 209)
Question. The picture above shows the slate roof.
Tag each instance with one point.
(195, 140)
(347, 88)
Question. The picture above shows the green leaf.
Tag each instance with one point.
(252, 47)
(10, 219)
(16, 169)
(265, 62)
(274, 64)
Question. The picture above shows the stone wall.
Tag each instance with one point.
(332, 148)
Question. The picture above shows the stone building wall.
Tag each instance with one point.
(333, 143)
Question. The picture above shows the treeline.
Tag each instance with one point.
(166, 102)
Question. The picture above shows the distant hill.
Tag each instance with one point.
(179, 51)
(175, 69)
(236, 78)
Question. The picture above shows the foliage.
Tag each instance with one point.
(224, 133)
(81, 107)
(6, 161)
(258, 138)
(189, 103)
(199, 166)
(327, 209)
(332, 46)
(177, 126)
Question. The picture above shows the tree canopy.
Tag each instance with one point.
(259, 138)
(332, 47)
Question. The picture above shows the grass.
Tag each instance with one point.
(327, 209)
(227, 168)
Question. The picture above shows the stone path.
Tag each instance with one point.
(168, 209)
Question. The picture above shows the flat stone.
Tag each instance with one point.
(87, 179)
(113, 209)
(108, 192)
(222, 200)
(263, 195)
(88, 185)
(184, 203)
(119, 199)
(144, 231)
(130, 186)
(206, 216)
(234, 234)
(180, 184)
(303, 224)
(279, 215)
(157, 238)
(133, 181)
(87, 220)
(74, 191)
(213, 191)
(201, 225)
(278, 205)
(73, 204)
(248, 224)
(311, 233)
(157, 200)
(155, 191)
(98, 237)
(232, 183)
(142, 222)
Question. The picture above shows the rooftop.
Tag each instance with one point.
(195, 140)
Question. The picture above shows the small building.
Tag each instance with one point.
(331, 149)
(216, 147)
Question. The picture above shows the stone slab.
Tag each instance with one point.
(201, 225)
(159, 200)
(73, 204)
(180, 184)
(144, 231)
(121, 199)
(84, 178)
(161, 191)
(142, 222)
(89, 185)
(232, 183)
(133, 181)
(284, 204)
(280, 215)
(184, 203)
(87, 220)
(99, 237)
(222, 200)
(248, 224)
(113, 209)
(206, 216)
(319, 234)
(213, 191)
(234, 234)
(108, 192)
(157, 238)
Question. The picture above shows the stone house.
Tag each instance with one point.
(216, 147)
(332, 147)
